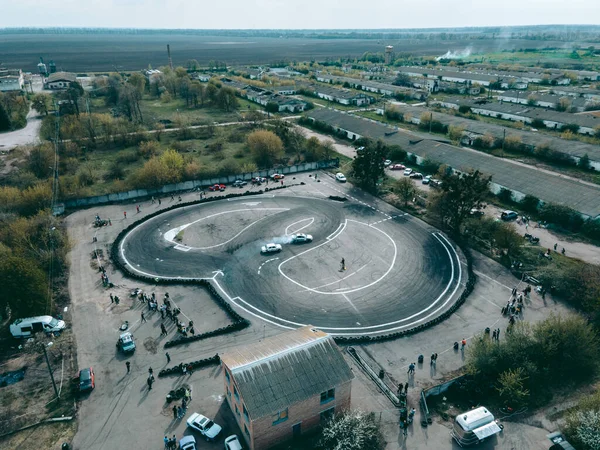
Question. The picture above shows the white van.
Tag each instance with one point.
(22, 328)
(473, 427)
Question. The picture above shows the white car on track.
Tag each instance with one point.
(271, 248)
(301, 238)
(340, 177)
(204, 426)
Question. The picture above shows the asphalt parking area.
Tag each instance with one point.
(398, 271)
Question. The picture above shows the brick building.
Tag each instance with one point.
(286, 385)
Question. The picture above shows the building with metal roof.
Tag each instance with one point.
(285, 385)
(508, 174)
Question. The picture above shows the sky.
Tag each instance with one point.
(290, 14)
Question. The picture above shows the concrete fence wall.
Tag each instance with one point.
(189, 185)
(441, 388)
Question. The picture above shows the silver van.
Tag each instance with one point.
(22, 328)
(473, 427)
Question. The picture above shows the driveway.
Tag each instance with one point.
(24, 136)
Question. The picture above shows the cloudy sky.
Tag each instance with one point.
(295, 14)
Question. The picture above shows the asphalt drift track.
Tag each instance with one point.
(399, 273)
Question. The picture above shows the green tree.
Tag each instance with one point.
(226, 99)
(354, 430)
(266, 147)
(5, 123)
(367, 167)
(41, 160)
(24, 287)
(138, 81)
(272, 107)
(405, 189)
(530, 204)
(584, 162)
(41, 103)
(460, 194)
(507, 239)
(511, 387)
(455, 132)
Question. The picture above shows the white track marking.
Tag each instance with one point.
(268, 260)
(351, 304)
(327, 242)
(287, 229)
(338, 231)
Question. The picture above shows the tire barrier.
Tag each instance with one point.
(470, 285)
(236, 326)
(177, 370)
(337, 198)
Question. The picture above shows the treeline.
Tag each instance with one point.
(13, 111)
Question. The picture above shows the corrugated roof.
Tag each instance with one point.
(286, 369)
(58, 76)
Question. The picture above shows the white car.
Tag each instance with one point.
(271, 248)
(204, 426)
(340, 177)
(187, 443)
(301, 238)
(407, 172)
(426, 180)
(387, 162)
(233, 443)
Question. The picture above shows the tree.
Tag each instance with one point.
(41, 160)
(173, 164)
(148, 149)
(226, 99)
(5, 123)
(41, 103)
(584, 162)
(266, 147)
(24, 287)
(563, 104)
(532, 100)
(460, 194)
(455, 132)
(313, 149)
(511, 387)
(402, 79)
(507, 239)
(530, 204)
(272, 107)
(354, 430)
(405, 189)
(138, 81)
(368, 166)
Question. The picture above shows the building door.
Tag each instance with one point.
(297, 430)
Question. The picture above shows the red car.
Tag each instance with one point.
(217, 187)
(277, 176)
(397, 167)
(87, 379)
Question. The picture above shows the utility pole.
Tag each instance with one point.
(430, 121)
(50, 371)
(503, 138)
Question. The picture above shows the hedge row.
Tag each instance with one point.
(235, 326)
(176, 370)
(470, 285)
(338, 198)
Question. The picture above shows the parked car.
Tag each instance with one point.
(387, 162)
(233, 443)
(407, 172)
(301, 238)
(187, 443)
(239, 183)
(508, 215)
(126, 343)
(258, 180)
(416, 175)
(271, 248)
(340, 177)
(397, 167)
(204, 426)
(217, 187)
(426, 180)
(277, 176)
(22, 328)
(360, 149)
(87, 379)
(476, 212)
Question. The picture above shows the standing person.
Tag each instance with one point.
(343, 262)
(166, 441)
(137, 208)
(406, 387)
(153, 204)
(125, 214)
(435, 358)
(150, 381)
(555, 246)
(463, 344)
(150, 371)
(179, 412)
(159, 202)
(411, 368)
(143, 317)
(432, 359)
(168, 357)
(494, 335)
(112, 299)
(190, 369)
(174, 411)
(128, 364)
(498, 334)
(163, 329)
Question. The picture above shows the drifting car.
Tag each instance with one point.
(407, 172)
(126, 343)
(271, 248)
(217, 187)
(240, 183)
(233, 443)
(301, 238)
(397, 167)
(187, 443)
(277, 176)
(340, 177)
(204, 426)
(87, 379)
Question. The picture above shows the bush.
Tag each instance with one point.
(538, 123)
(583, 423)
(572, 127)
(464, 109)
(395, 153)
(530, 204)
(393, 113)
(505, 195)
(561, 215)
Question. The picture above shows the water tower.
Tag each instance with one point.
(389, 54)
(52, 67)
(43, 71)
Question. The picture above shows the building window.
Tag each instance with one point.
(281, 416)
(246, 430)
(245, 413)
(237, 411)
(227, 376)
(229, 394)
(327, 414)
(327, 396)
(235, 392)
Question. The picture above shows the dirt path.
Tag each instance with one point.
(24, 136)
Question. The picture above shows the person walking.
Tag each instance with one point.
(163, 329)
(168, 357)
(159, 202)
(153, 204)
(190, 369)
(128, 364)
(150, 381)
(167, 442)
(411, 368)
(143, 317)
(137, 208)
(112, 299)
(174, 411)
(125, 214)
(343, 262)
(498, 334)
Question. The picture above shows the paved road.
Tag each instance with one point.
(24, 136)
(399, 271)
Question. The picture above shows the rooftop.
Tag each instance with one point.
(61, 76)
(286, 369)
